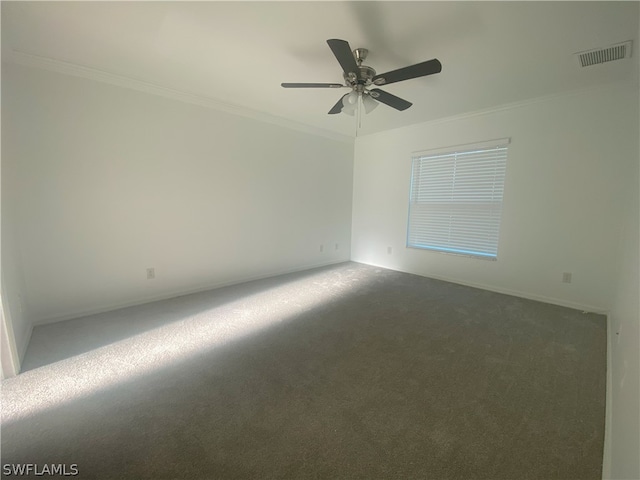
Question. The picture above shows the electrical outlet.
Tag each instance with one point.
(389, 250)
(337, 246)
(566, 277)
(321, 248)
(151, 273)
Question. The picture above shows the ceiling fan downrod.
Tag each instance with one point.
(364, 76)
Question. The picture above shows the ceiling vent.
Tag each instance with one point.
(603, 55)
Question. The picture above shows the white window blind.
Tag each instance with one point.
(456, 200)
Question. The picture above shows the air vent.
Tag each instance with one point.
(603, 55)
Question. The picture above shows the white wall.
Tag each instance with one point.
(109, 181)
(624, 330)
(562, 204)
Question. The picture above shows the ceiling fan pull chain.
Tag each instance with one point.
(357, 119)
(360, 111)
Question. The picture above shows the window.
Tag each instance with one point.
(456, 199)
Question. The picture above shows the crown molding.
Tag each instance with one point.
(631, 84)
(72, 69)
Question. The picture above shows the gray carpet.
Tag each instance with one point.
(348, 371)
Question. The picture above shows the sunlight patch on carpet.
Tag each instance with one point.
(53, 385)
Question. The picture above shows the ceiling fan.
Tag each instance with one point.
(359, 78)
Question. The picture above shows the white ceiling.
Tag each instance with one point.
(238, 53)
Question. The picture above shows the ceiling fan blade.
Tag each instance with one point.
(312, 85)
(391, 100)
(337, 108)
(414, 71)
(344, 55)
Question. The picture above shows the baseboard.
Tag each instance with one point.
(506, 291)
(608, 419)
(532, 296)
(177, 293)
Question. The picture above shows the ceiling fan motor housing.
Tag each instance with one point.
(366, 73)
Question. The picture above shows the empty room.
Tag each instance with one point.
(265, 240)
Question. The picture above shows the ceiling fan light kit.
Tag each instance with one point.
(350, 103)
(359, 78)
(368, 103)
